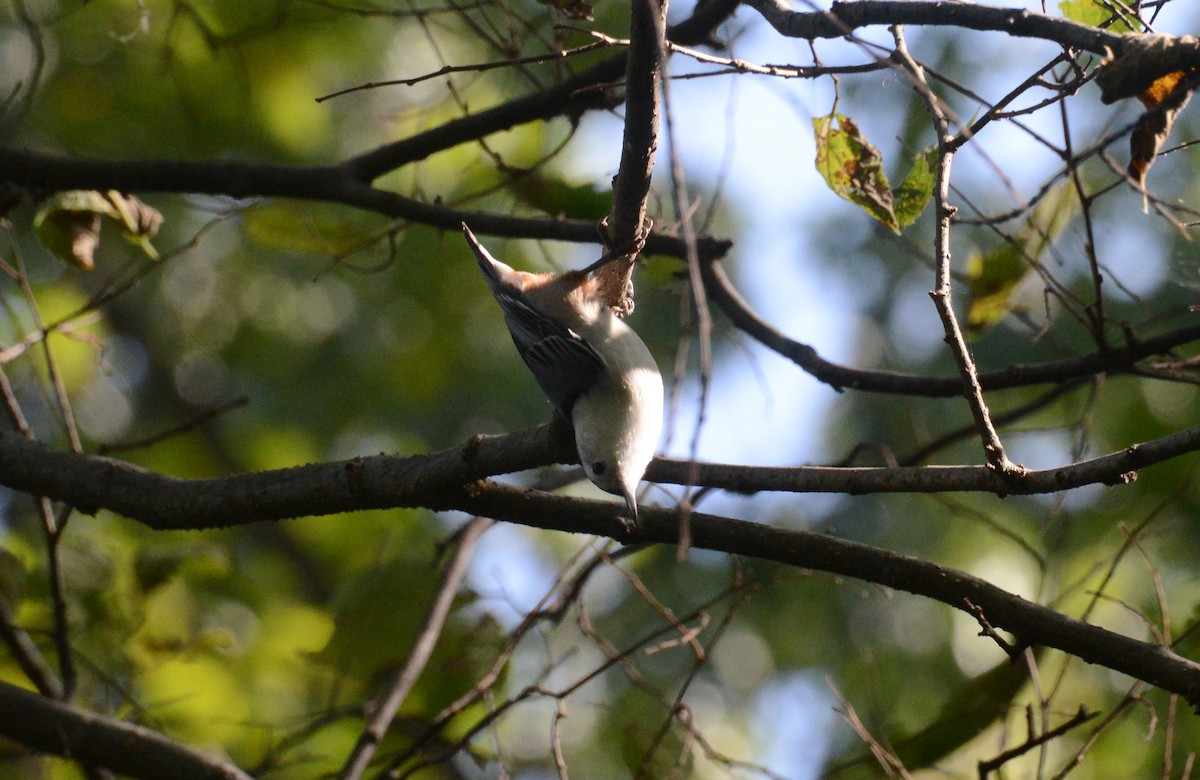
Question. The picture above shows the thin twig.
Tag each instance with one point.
(994, 764)
(992, 446)
(406, 676)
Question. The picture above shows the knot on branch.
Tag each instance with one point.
(613, 273)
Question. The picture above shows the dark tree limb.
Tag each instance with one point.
(44, 173)
(444, 482)
(91, 483)
(1114, 360)
(61, 729)
(349, 182)
(643, 81)
(845, 17)
(1032, 624)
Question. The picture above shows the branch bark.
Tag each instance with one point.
(640, 138)
(91, 483)
(444, 481)
(1114, 360)
(96, 740)
(843, 18)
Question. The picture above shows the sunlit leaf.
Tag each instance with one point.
(139, 222)
(1164, 99)
(1097, 13)
(1145, 60)
(992, 277)
(853, 168)
(914, 192)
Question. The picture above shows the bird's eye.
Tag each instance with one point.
(598, 467)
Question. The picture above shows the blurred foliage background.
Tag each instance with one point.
(272, 333)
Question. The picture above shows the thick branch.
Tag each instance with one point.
(348, 183)
(91, 483)
(444, 482)
(640, 137)
(1113, 469)
(1033, 624)
(60, 729)
(43, 173)
(845, 17)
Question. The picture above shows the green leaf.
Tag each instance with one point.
(1097, 13)
(917, 188)
(12, 576)
(853, 168)
(553, 195)
(992, 277)
(983, 701)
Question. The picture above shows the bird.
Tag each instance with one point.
(594, 368)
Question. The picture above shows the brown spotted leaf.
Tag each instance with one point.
(853, 168)
(1164, 99)
(68, 224)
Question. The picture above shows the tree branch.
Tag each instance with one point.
(92, 739)
(968, 372)
(348, 182)
(443, 481)
(43, 173)
(845, 17)
(640, 138)
(1032, 624)
(1114, 360)
(571, 97)
(91, 483)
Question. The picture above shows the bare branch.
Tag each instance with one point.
(442, 481)
(994, 764)
(92, 739)
(845, 17)
(91, 483)
(406, 676)
(993, 449)
(1115, 360)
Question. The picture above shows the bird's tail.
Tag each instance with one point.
(488, 264)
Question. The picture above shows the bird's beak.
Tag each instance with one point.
(630, 501)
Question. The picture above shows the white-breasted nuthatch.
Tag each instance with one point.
(596, 371)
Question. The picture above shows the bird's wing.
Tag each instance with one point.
(561, 360)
